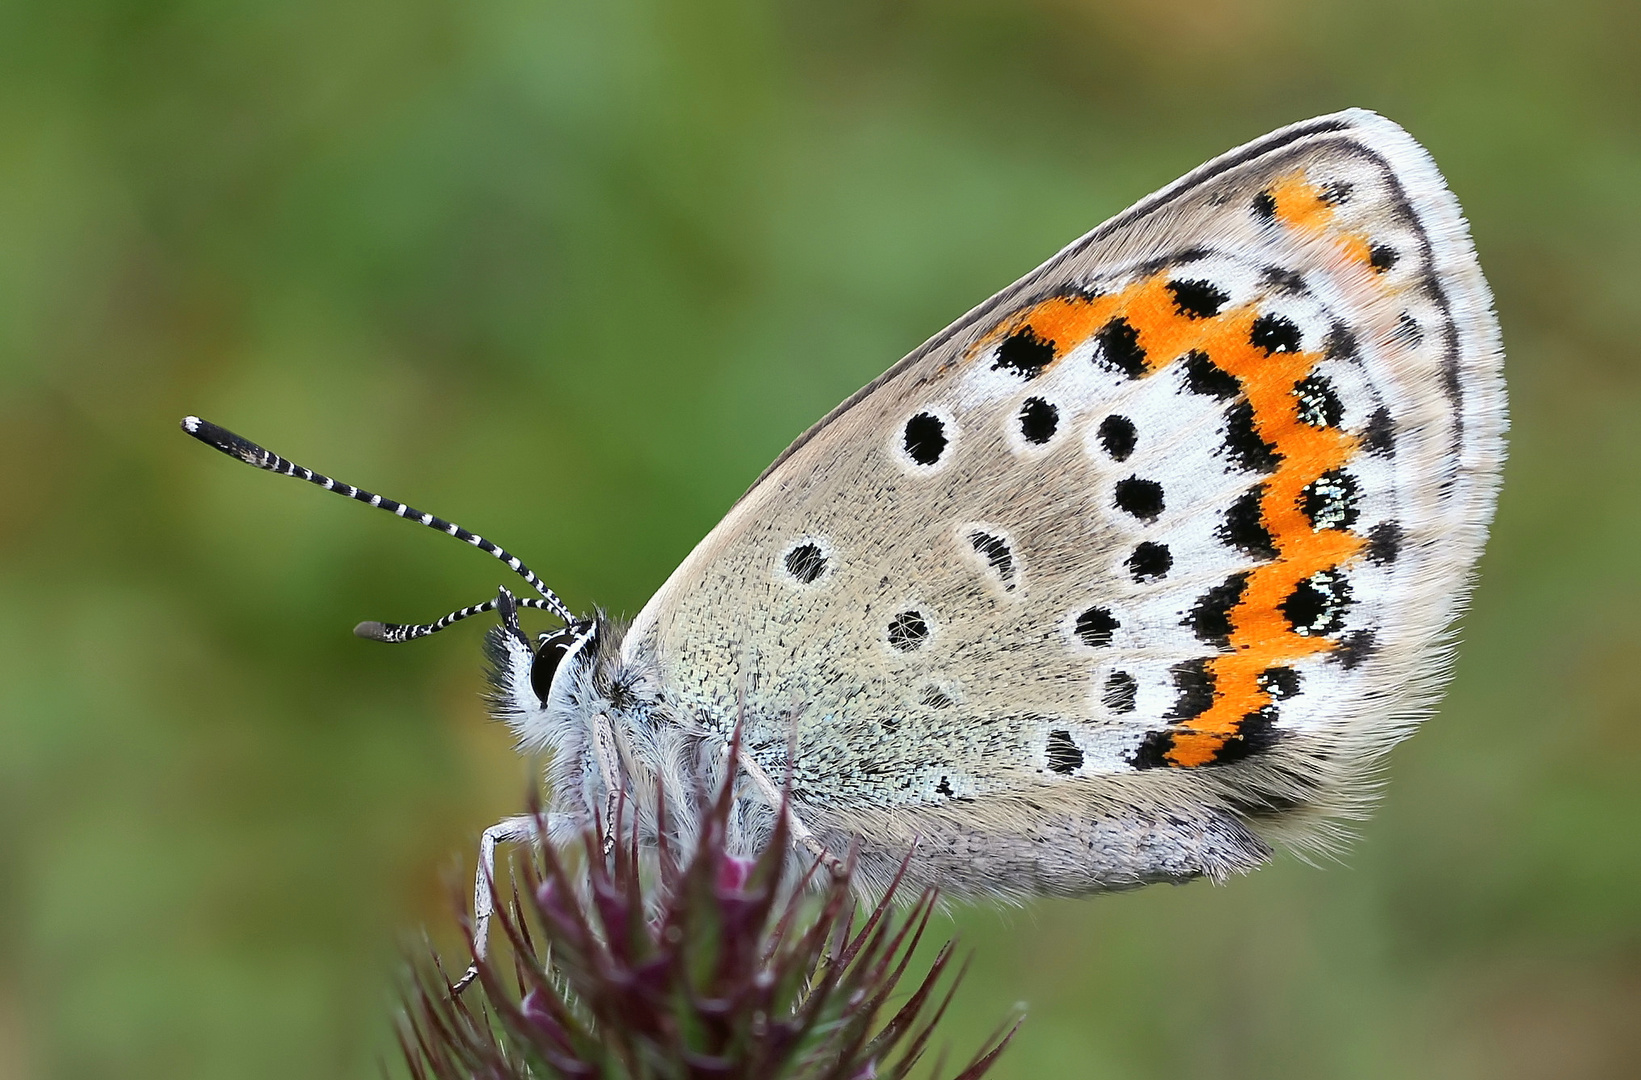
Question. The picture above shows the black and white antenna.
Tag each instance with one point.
(252, 454)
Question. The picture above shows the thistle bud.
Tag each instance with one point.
(711, 967)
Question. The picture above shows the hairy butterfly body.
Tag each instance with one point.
(1135, 570)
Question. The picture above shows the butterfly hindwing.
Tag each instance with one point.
(1150, 553)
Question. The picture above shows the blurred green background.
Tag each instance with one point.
(571, 273)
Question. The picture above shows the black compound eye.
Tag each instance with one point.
(548, 657)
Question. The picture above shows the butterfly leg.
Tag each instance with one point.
(510, 831)
(801, 833)
(608, 757)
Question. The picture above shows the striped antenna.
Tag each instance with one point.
(252, 454)
(393, 633)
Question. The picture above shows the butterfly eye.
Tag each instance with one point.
(549, 656)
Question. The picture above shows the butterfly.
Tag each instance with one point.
(1133, 573)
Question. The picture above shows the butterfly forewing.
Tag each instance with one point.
(1174, 523)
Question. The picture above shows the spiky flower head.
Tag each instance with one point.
(708, 968)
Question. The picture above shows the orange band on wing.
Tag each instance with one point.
(1306, 208)
(1163, 330)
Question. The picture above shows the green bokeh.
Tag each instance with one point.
(571, 274)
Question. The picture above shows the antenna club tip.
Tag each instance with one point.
(226, 441)
(207, 432)
(374, 631)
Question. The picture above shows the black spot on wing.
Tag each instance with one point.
(1243, 444)
(1382, 257)
(1265, 206)
(1353, 649)
(1121, 692)
(806, 563)
(1340, 344)
(908, 630)
(935, 698)
(1203, 376)
(1095, 627)
(1279, 682)
(1139, 498)
(1317, 605)
(1210, 617)
(1179, 258)
(1282, 280)
(1063, 754)
(1274, 334)
(1336, 192)
(1329, 501)
(1152, 753)
(1407, 332)
(1150, 561)
(1024, 353)
(1318, 403)
(1118, 437)
(1254, 733)
(1119, 348)
(1384, 543)
(1197, 299)
(1038, 420)
(1244, 527)
(1194, 689)
(996, 551)
(925, 438)
(1379, 435)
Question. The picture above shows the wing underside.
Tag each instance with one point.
(1161, 540)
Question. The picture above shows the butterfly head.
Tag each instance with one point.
(555, 648)
(545, 686)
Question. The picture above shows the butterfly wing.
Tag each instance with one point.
(1149, 557)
